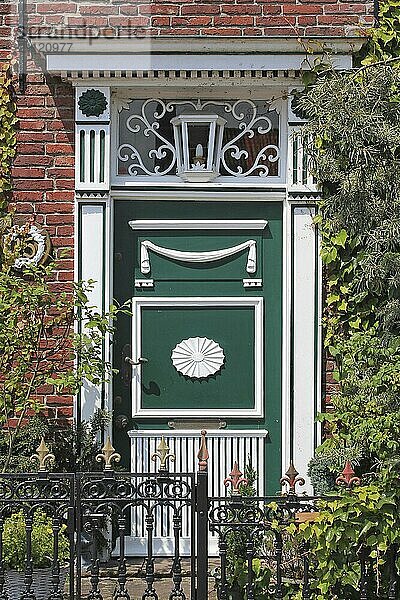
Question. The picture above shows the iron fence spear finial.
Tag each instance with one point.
(348, 477)
(292, 479)
(163, 455)
(203, 454)
(43, 455)
(235, 479)
(109, 455)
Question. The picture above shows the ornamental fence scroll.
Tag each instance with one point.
(91, 516)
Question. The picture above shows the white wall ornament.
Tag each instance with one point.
(198, 357)
(197, 257)
(35, 245)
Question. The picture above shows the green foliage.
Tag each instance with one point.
(366, 518)
(75, 447)
(8, 128)
(354, 143)
(39, 346)
(367, 406)
(384, 40)
(14, 541)
(237, 538)
(325, 466)
(353, 139)
(355, 131)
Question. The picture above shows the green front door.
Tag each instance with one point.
(205, 284)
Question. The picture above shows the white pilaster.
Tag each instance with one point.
(91, 263)
(305, 346)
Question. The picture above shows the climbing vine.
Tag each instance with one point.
(383, 41)
(354, 128)
(8, 127)
(353, 137)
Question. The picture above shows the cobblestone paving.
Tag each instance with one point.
(136, 587)
(136, 583)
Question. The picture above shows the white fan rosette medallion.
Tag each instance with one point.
(197, 357)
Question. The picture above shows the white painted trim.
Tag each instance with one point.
(304, 347)
(183, 433)
(76, 271)
(197, 256)
(319, 341)
(156, 82)
(199, 195)
(108, 300)
(92, 267)
(156, 224)
(200, 44)
(252, 283)
(185, 62)
(104, 287)
(96, 184)
(199, 301)
(286, 327)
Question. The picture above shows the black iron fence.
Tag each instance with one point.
(70, 536)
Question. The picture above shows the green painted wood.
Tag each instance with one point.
(231, 387)
(234, 327)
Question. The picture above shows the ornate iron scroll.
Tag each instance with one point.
(240, 157)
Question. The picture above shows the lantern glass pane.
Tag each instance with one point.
(198, 142)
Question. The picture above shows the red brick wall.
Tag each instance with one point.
(43, 170)
(205, 17)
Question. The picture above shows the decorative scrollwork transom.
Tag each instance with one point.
(146, 147)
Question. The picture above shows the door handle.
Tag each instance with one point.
(140, 361)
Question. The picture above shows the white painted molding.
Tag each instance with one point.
(258, 393)
(252, 283)
(184, 433)
(304, 339)
(200, 44)
(162, 224)
(224, 446)
(197, 257)
(91, 236)
(144, 283)
(187, 193)
(96, 61)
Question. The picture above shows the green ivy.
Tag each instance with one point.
(366, 519)
(354, 125)
(384, 40)
(8, 128)
(353, 137)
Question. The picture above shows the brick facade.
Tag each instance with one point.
(207, 17)
(44, 167)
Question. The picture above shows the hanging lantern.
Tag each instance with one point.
(198, 142)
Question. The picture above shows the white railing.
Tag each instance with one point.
(224, 447)
(299, 171)
(92, 150)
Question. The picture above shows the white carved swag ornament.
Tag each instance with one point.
(197, 257)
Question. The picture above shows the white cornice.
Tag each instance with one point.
(197, 45)
(57, 63)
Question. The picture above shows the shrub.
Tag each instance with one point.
(14, 541)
